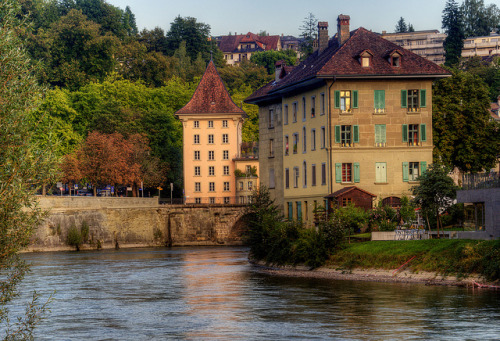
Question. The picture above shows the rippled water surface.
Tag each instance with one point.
(213, 293)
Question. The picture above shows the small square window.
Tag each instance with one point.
(225, 138)
(225, 155)
(210, 124)
(197, 200)
(211, 155)
(224, 123)
(226, 200)
(196, 139)
(226, 186)
(196, 154)
(226, 170)
(210, 139)
(197, 186)
(211, 170)
(197, 171)
(211, 186)
(196, 124)
(212, 200)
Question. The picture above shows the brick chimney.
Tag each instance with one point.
(343, 32)
(322, 36)
(278, 67)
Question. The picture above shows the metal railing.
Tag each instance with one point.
(481, 180)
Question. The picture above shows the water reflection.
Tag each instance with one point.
(213, 293)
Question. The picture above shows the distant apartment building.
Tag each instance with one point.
(482, 46)
(212, 142)
(427, 44)
(240, 47)
(352, 124)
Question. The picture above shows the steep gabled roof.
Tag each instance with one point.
(344, 61)
(211, 96)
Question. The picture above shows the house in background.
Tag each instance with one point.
(238, 48)
(212, 143)
(354, 118)
(482, 46)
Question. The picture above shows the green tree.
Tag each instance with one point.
(309, 29)
(128, 22)
(195, 35)
(435, 192)
(489, 72)
(401, 26)
(250, 131)
(410, 28)
(154, 40)
(268, 59)
(452, 23)
(23, 167)
(464, 136)
(479, 20)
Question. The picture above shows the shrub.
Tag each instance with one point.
(85, 231)
(74, 237)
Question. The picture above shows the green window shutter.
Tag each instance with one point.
(379, 98)
(337, 134)
(423, 99)
(404, 96)
(356, 134)
(299, 210)
(423, 133)
(423, 167)
(356, 171)
(405, 132)
(290, 211)
(337, 99)
(382, 133)
(355, 99)
(378, 131)
(405, 171)
(338, 172)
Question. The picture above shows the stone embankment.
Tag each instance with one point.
(136, 222)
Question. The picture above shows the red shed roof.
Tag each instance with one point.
(211, 96)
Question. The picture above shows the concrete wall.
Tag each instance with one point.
(491, 199)
(136, 222)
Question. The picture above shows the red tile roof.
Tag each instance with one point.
(211, 96)
(344, 61)
(346, 190)
(230, 43)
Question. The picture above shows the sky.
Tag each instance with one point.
(285, 17)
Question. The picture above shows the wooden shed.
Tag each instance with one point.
(350, 195)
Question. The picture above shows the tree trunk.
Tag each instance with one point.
(44, 190)
(437, 222)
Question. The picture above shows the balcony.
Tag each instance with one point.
(481, 181)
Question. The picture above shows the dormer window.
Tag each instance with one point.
(366, 58)
(395, 59)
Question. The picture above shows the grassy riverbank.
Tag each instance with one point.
(461, 258)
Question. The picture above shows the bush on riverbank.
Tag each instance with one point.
(445, 256)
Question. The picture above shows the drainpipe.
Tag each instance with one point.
(329, 148)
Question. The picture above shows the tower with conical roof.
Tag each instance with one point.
(212, 125)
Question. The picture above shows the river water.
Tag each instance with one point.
(214, 293)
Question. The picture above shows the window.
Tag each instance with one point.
(196, 154)
(197, 200)
(347, 135)
(241, 187)
(225, 138)
(304, 140)
(226, 200)
(196, 139)
(210, 138)
(287, 178)
(303, 108)
(304, 170)
(413, 99)
(250, 185)
(211, 155)
(242, 199)
(225, 155)
(346, 100)
(347, 172)
(248, 169)
(197, 186)
(286, 145)
(322, 99)
(313, 139)
(294, 111)
(271, 178)
(211, 186)
(380, 135)
(226, 170)
(313, 175)
(380, 172)
(414, 134)
(224, 123)
(313, 106)
(271, 147)
(413, 171)
(396, 60)
(196, 124)
(379, 101)
(295, 177)
(295, 142)
(212, 200)
(270, 122)
(323, 137)
(346, 201)
(286, 114)
(323, 173)
(226, 186)
(210, 124)
(197, 171)
(365, 61)
(211, 170)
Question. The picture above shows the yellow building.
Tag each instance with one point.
(357, 114)
(211, 141)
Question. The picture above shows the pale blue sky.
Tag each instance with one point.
(278, 17)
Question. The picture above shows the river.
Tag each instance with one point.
(208, 293)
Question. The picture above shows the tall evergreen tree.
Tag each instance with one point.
(479, 20)
(401, 26)
(452, 22)
(309, 29)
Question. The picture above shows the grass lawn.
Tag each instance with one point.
(445, 256)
